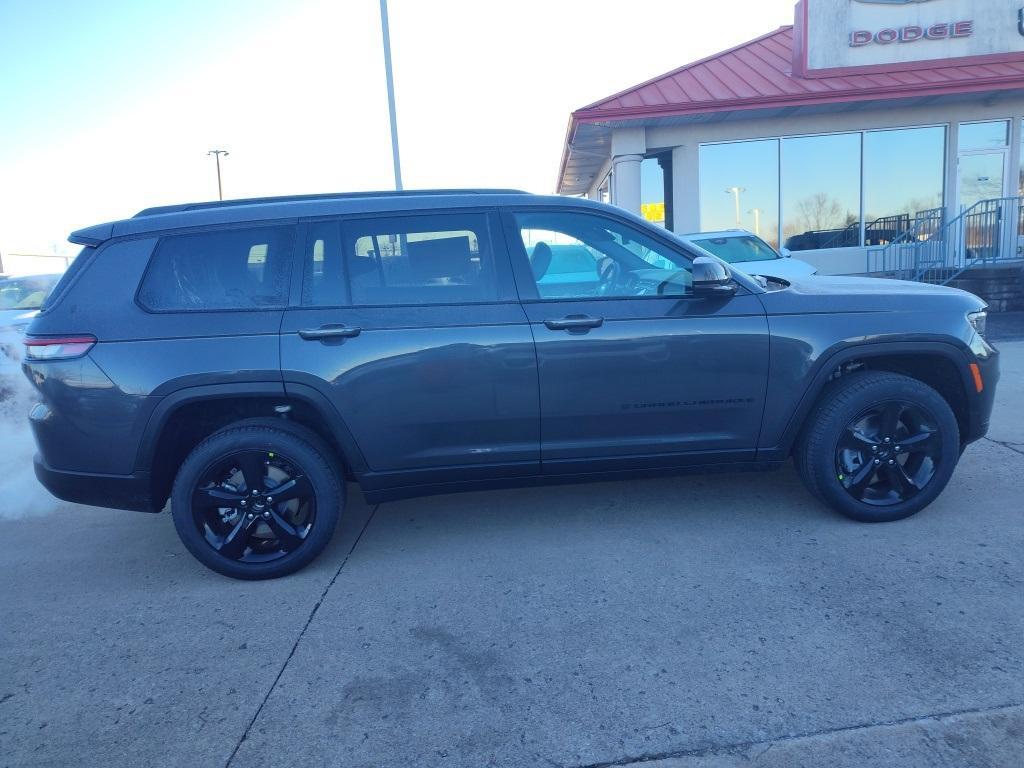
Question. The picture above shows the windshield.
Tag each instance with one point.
(737, 249)
(26, 293)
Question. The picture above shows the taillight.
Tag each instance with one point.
(57, 347)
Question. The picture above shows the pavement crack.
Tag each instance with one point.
(742, 748)
(295, 645)
(1019, 448)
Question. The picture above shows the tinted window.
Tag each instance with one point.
(582, 255)
(435, 259)
(226, 269)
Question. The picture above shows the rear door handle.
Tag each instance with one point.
(329, 332)
(575, 323)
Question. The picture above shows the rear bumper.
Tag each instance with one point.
(116, 491)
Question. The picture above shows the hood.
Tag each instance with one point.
(833, 294)
(787, 269)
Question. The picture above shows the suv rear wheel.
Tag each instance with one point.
(257, 500)
(879, 446)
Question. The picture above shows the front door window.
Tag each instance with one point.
(575, 254)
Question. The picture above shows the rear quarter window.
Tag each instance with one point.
(78, 264)
(219, 270)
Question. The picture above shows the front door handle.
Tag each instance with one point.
(329, 332)
(575, 323)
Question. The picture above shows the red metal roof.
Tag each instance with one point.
(759, 74)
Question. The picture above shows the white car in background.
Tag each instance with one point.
(749, 253)
(20, 300)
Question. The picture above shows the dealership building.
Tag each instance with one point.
(871, 136)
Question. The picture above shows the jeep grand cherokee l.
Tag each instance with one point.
(244, 358)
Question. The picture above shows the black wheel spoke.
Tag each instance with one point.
(902, 484)
(922, 442)
(233, 545)
(296, 488)
(288, 535)
(855, 439)
(253, 466)
(207, 498)
(861, 479)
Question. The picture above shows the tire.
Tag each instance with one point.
(253, 535)
(845, 461)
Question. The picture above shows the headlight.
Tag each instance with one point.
(979, 321)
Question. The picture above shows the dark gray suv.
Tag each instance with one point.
(243, 359)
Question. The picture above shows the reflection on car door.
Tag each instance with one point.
(634, 370)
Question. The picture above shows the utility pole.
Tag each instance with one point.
(736, 192)
(396, 160)
(216, 154)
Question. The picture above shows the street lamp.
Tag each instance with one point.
(736, 192)
(757, 220)
(216, 154)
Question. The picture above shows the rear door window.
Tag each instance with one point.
(403, 260)
(219, 270)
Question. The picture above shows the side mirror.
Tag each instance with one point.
(712, 279)
(786, 253)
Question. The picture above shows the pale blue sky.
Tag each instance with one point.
(108, 106)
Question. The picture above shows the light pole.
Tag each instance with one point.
(757, 220)
(216, 154)
(396, 160)
(736, 192)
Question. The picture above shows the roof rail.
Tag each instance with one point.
(323, 196)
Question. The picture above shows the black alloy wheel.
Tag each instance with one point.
(888, 453)
(254, 506)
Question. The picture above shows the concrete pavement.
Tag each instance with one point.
(682, 622)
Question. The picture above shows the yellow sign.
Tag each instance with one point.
(654, 212)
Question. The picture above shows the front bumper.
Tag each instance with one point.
(131, 492)
(981, 403)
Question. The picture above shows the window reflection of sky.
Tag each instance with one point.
(903, 173)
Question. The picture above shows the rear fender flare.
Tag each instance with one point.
(166, 407)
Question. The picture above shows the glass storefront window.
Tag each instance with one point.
(821, 191)
(652, 191)
(739, 187)
(991, 135)
(903, 177)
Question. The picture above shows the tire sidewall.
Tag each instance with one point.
(311, 459)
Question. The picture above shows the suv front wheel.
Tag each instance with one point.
(257, 500)
(879, 446)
